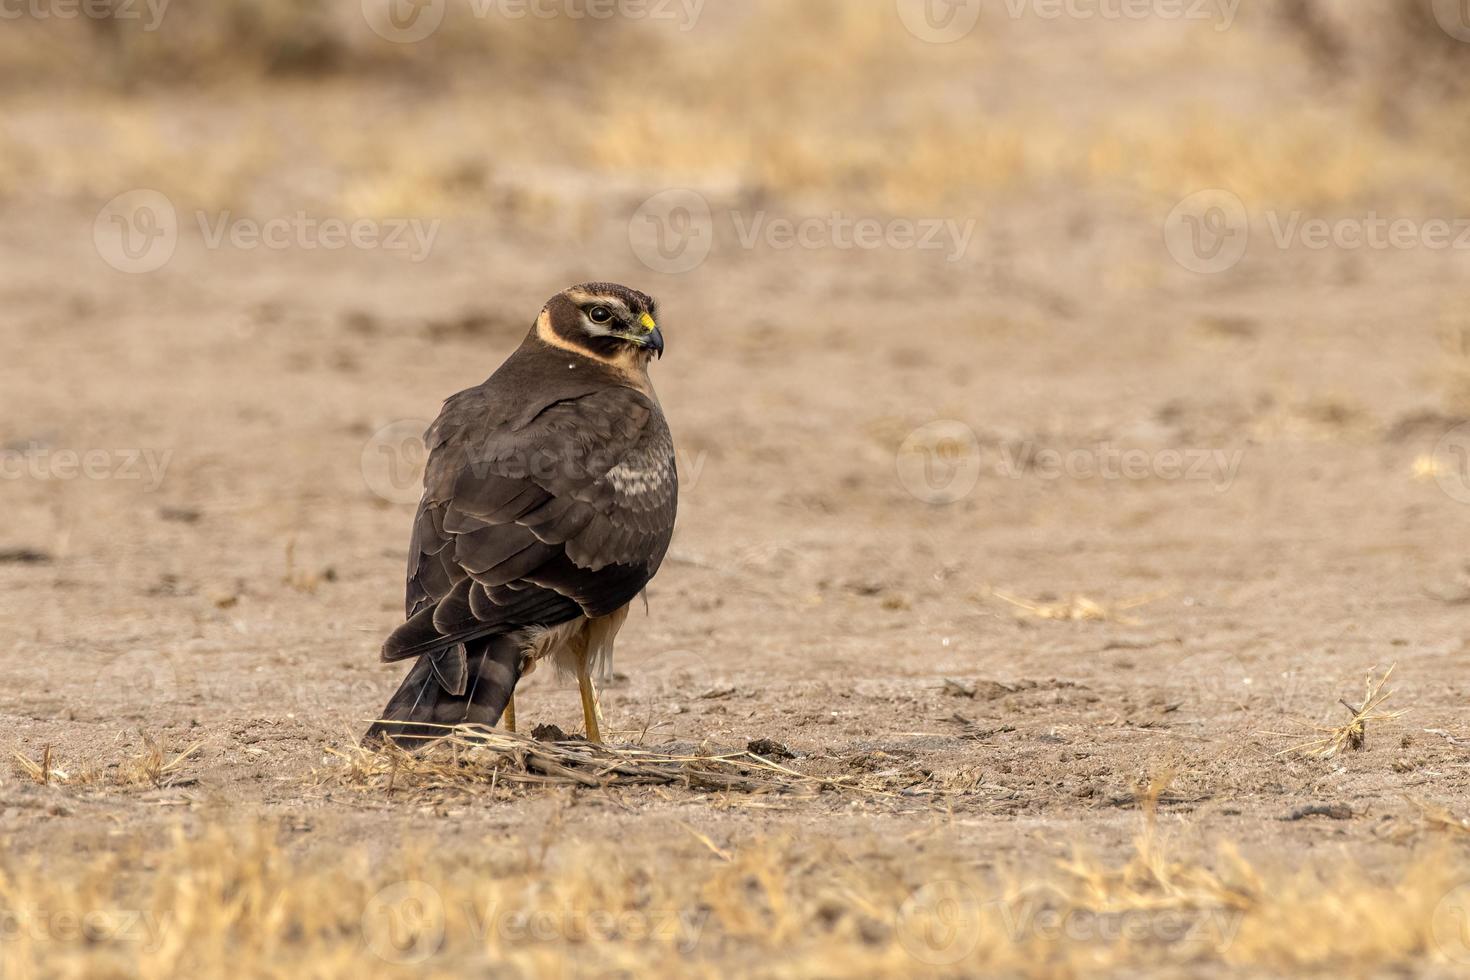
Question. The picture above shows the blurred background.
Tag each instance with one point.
(556, 111)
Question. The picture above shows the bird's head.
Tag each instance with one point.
(603, 321)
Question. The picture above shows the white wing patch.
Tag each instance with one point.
(634, 478)
(647, 470)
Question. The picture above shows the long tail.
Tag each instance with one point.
(467, 684)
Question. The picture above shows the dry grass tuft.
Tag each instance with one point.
(303, 579)
(473, 759)
(39, 771)
(1439, 818)
(154, 765)
(1079, 608)
(1154, 879)
(1354, 735)
(49, 770)
(236, 900)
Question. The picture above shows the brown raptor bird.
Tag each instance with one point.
(548, 505)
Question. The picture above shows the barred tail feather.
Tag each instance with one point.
(424, 709)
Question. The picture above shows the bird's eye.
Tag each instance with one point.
(599, 314)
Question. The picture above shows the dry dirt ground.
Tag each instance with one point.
(810, 596)
(1052, 561)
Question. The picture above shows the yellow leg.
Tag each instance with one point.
(508, 716)
(589, 702)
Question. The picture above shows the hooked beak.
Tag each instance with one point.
(651, 338)
(655, 342)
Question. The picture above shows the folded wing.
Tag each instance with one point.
(533, 524)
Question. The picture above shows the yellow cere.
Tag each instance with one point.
(647, 322)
